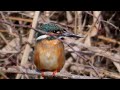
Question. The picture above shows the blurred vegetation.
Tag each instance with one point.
(101, 43)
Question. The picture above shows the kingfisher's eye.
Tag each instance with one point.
(64, 31)
(57, 31)
(54, 31)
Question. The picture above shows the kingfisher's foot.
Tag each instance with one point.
(42, 74)
(54, 73)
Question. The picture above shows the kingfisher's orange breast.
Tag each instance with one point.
(49, 55)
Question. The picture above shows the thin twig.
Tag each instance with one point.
(75, 27)
(6, 52)
(2, 36)
(20, 19)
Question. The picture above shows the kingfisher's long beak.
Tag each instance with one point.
(67, 34)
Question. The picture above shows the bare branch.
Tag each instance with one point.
(20, 70)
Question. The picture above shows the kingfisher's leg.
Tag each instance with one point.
(42, 74)
(54, 73)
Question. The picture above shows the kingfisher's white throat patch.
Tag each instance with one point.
(42, 37)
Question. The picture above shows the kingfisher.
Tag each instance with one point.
(49, 54)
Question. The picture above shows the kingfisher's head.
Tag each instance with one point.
(54, 29)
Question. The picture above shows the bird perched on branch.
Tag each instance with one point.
(49, 52)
